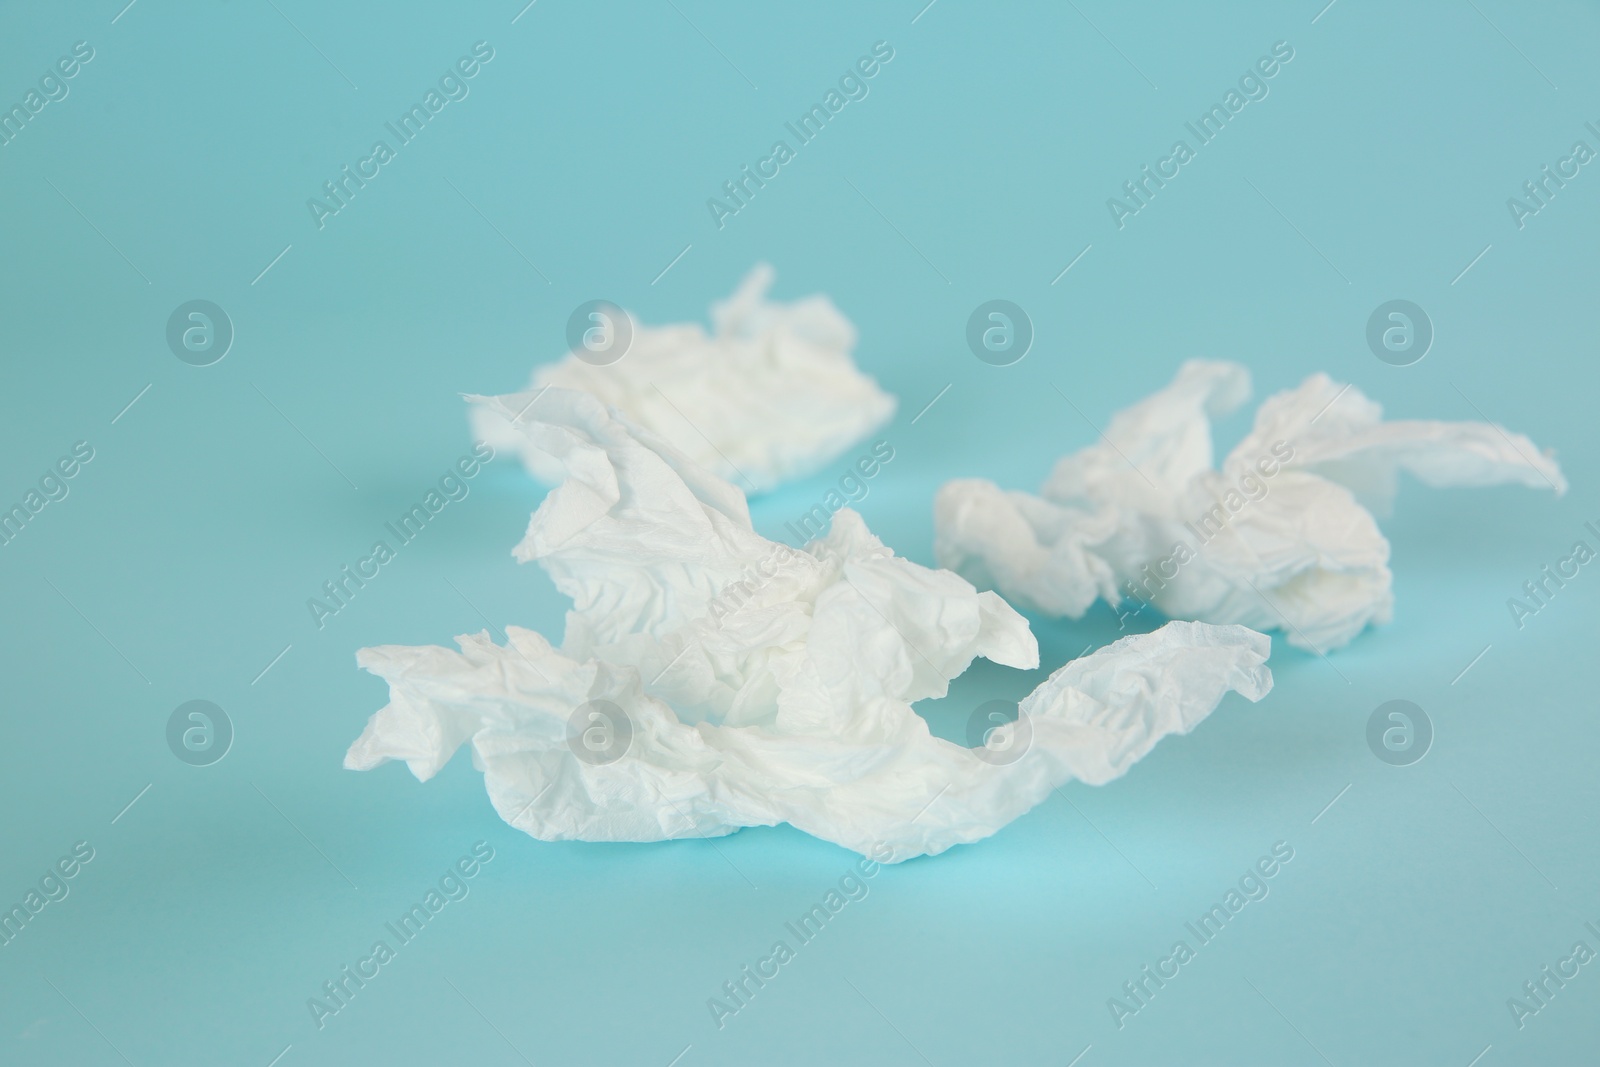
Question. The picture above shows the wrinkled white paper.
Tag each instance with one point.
(1278, 538)
(772, 394)
(761, 684)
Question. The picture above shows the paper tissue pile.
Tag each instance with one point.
(1279, 538)
(711, 679)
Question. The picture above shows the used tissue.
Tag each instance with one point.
(770, 394)
(711, 679)
(1279, 537)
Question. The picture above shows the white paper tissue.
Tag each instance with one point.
(1279, 538)
(711, 679)
(770, 395)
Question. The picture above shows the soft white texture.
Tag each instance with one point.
(791, 705)
(1119, 517)
(770, 395)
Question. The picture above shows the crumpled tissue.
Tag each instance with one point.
(770, 395)
(711, 679)
(1279, 537)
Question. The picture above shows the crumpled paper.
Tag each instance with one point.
(770, 395)
(710, 679)
(1280, 537)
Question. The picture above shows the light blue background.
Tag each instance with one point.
(1414, 907)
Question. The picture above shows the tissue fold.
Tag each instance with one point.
(1280, 537)
(771, 394)
(710, 679)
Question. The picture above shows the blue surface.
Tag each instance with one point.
(178, 565)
